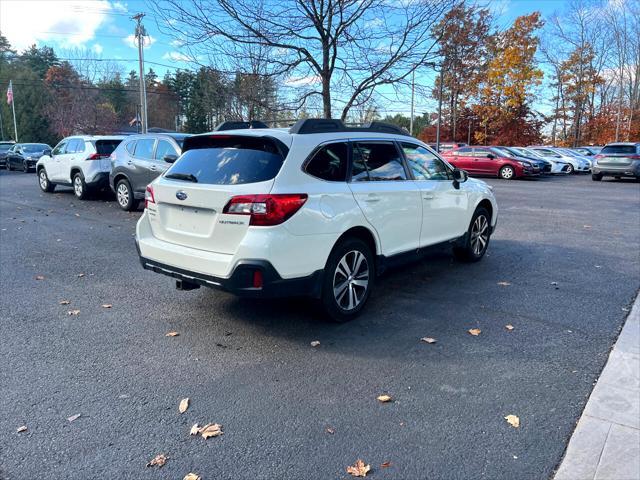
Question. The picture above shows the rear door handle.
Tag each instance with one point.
(372, 199)
(428, 196)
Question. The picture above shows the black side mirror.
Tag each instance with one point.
(170, 158)
(459, 176)
(47, 152)
(491, 156)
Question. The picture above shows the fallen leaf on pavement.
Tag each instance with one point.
(386, 465)
(73, 312)
(184, 404)
(39, 277)
(513, 420)
(475, 331)
(210, 430)
(509, 327)
(504, 284)
(80, 275)
(195, 429)
(171, 334)
(428, 340)
(64, 302)
(330, 430)
(22, 429)
(106, 305)
(315, 343)
(192, 476)
(384, 398)
(158, 461)
(586, 226)
(358, 469)
(74, 417)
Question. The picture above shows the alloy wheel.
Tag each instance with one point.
(479, 235)
(43, 180)
(569, 168)
(351, 280)
(507, 173)
(77, 186)
(123, 194)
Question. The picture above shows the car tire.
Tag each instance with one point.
(25, 167)
(345, 291)
(476, 240)
(80, 187)
(124, 195)
(596, 177)
(9, 166)
(570, 169)
(43, 181)
(507, 173)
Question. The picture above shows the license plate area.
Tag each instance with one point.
(188, 220)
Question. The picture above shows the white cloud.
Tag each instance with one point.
(74, 21)
(303, 81)
(97, 48)
(131, 41)
(177, 43)
(177, 57)
(119, 6)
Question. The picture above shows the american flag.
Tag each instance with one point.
(10, 93)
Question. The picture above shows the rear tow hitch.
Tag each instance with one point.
(184, 285)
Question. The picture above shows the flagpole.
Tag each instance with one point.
(13, 108)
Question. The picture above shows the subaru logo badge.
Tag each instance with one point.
(180, 195)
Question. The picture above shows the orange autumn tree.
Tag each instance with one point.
(504, 111)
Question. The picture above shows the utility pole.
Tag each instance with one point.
(413, 90)
(439, 112)
(140, 34)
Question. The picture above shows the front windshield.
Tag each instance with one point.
(530, 153)
(35, 147)
(503, 151)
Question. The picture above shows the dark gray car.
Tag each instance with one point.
(617, 160)
(138, 160)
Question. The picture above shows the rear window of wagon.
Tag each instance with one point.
(230, 159)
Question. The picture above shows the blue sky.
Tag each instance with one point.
(104, 29)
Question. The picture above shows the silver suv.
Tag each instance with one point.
(138, 160)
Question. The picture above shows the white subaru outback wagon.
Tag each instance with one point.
(316, 210)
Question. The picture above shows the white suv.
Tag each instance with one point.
(316, 210)
(82, 162)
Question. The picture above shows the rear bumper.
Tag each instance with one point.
(241, 281)
(632, 170)
(99, 180)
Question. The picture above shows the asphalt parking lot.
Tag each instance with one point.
(569, 249)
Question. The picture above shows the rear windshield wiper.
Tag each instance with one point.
(182, 176)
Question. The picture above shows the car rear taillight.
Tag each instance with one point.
(148, 196)
(97, 156)
(266, 210)
(257, 279)
(599, 156)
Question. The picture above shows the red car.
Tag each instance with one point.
(490, 161)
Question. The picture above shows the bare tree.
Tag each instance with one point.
(338, 50)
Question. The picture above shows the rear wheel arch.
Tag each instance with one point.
(74, 171)
(364, 234)
(120, 176)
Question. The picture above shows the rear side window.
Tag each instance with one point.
(376, 161)
(230, 159)
(144, 148)
(131, 148)
(330, 163)
(624, 149)
(105, 147)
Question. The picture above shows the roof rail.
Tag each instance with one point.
(240, 125)
(324, 125)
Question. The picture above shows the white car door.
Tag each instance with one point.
(444, 208)
(52, 166)
(389, 199)
(74, 145)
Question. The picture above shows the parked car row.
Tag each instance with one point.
(515, 162)
(22, 156)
